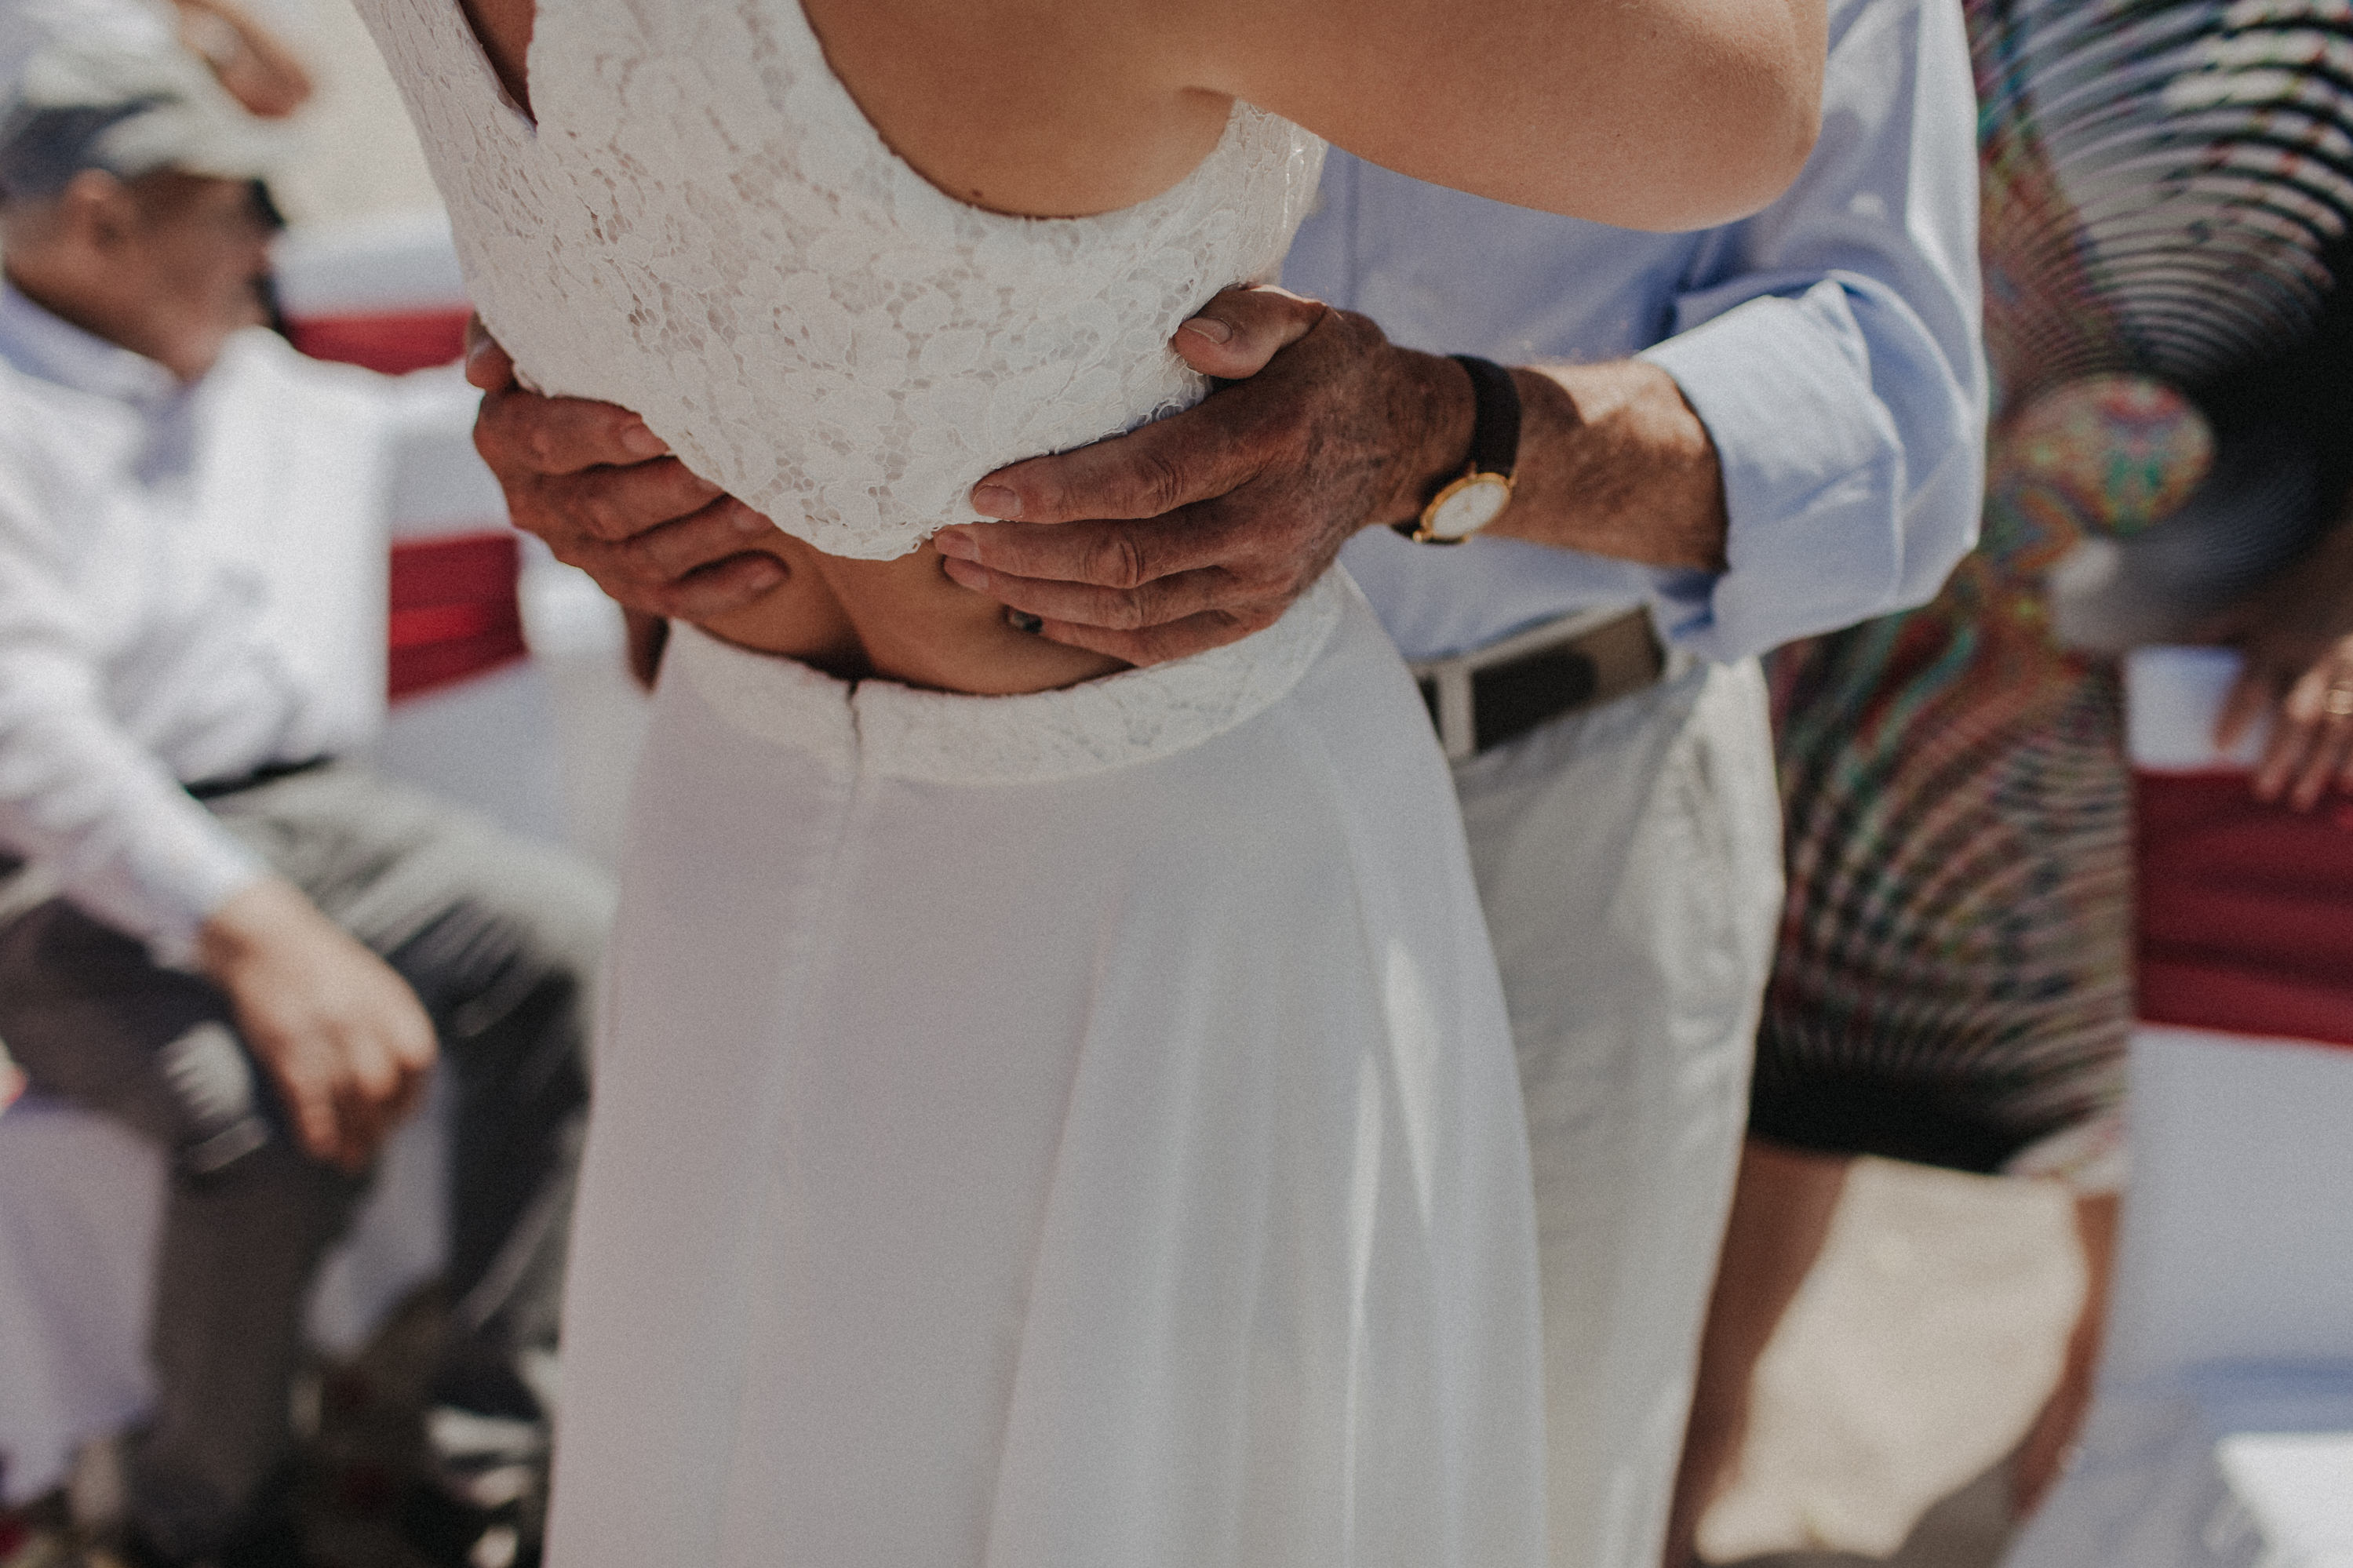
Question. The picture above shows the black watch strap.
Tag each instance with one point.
(1494, 417)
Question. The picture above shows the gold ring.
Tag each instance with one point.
(2339, 703)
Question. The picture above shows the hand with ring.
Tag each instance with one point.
(2298, 637)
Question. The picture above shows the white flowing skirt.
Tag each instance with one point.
(1077, 1128)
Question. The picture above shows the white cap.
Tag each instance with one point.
(107, 84)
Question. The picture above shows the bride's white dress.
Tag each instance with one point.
(1076, 1128)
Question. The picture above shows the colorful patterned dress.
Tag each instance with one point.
(2165, 189)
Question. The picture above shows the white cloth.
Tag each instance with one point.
(1628, 859)
(850, 350)
(191, 587)
(1076, 1128)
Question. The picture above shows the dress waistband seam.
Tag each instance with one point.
(887, 730)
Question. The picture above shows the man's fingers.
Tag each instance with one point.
(370, 1082)
(1108, 554)
(2320, 768)
(2284, 755)
(1177, 639)
(728, 585)
(383, 1077)
(1155, 603)
(666, 553)
(329, 1116)
(521, 434)
(1191, 456)
(317, 1125)
(487, 365)
(710, 586)
(2295, 734)
(2331, 743)
(2249, 699)
(414, 1068)
(1235, 334)
(616, 504)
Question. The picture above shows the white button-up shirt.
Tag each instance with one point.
(192, 587)
(1830, 344)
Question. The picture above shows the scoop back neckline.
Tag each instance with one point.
(845, 108)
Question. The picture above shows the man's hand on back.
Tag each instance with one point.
(1203, 526)
(1235, 507)
(342, 1036)
(603, 491)
(1190, 532)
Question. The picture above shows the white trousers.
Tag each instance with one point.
(1629, 858)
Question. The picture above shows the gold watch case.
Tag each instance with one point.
(1463, 507)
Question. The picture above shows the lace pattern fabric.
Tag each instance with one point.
(940, 737)
(703, 226)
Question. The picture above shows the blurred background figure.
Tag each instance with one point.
(2166, 185)
(215, 926)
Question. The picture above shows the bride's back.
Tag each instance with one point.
(703, 224)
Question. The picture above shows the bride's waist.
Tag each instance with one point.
(901, 729)
(902, 621)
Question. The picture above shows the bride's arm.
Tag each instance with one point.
(1643, 113)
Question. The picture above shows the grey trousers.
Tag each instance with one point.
(501, 941)
(1629, 863)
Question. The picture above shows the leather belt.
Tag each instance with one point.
(1481, 700)
(268, 773)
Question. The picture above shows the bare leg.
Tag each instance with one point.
(2043, 1452)
(1780, 1215)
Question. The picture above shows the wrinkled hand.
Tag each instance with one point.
(342, 1036)
(2297, 638)
(1202, 528)
(602, 490)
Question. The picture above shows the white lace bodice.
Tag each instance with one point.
(703, 227)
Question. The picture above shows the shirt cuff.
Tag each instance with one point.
(181, 885)
(1813, 474)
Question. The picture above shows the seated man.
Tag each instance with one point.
(214, 926)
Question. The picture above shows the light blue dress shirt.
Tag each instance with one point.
(1830, 343)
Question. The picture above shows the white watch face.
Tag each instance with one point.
(1470, 505)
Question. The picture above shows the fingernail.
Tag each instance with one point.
(1208, 327)
(964, 574)
(746, 520)
(995, 501)
(957, 543)
(642, 442)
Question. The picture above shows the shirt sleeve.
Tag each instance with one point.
(80, 799)
(1831, 345)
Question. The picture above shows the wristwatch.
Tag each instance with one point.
(1479, 495)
